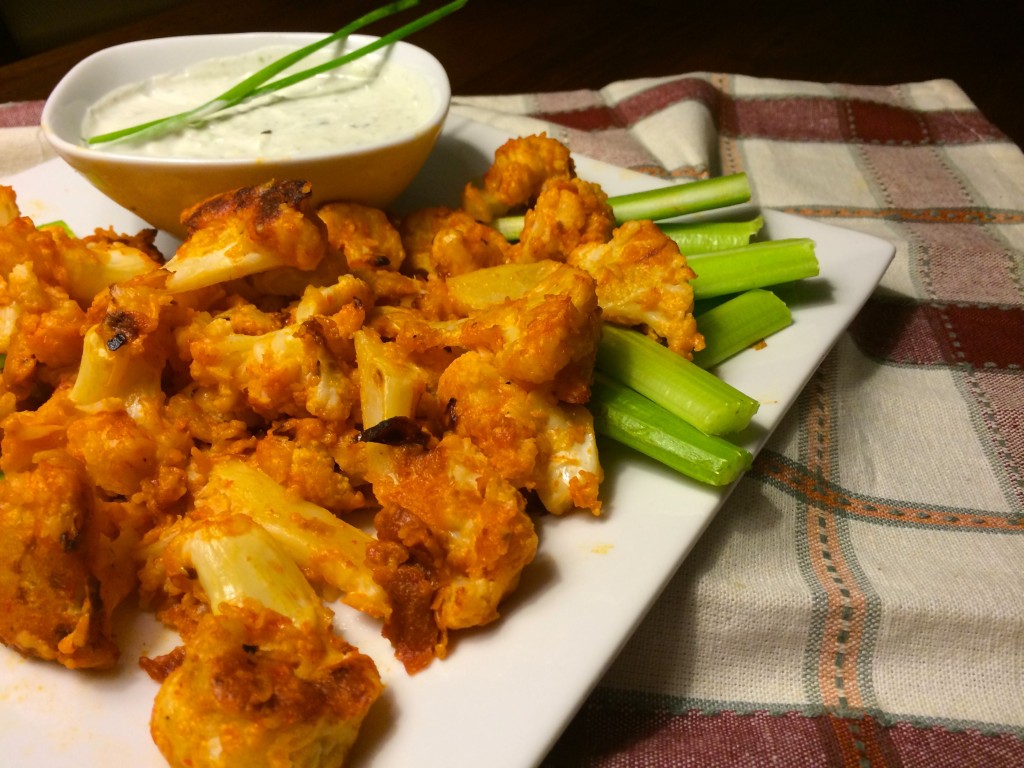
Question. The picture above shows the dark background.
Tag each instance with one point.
(512, 46)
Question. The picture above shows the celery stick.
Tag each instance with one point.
(510, 227)
(673, 382)
(757, 265)
(694, 237)
(691, 197)
(57, 223)
(661, 203)
(631, 419)
(739, 323)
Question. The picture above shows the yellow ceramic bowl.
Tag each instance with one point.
(158, 189)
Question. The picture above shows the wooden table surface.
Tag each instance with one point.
(515, 46)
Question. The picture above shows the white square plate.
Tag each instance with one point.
(506, 691)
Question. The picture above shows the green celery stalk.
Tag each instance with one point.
(631, 419)
(510, 227)
(676, 384)
(57, 223)
(738, 323)
(661, 203)
(680, 199)
(694, 237)
(757, 265)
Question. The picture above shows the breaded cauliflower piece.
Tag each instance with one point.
(537, 443)
(568, 213)
(29, 435)
(441, 242)
(41, 331)
(365, 236)
(331, 552)
(41, 326)
(102, 259)
(130, 345)
(298, 361)
(262, 679)
(246, 231)
(253, 689)
(50, 605)
(453, 539)
(21, 242)
(391, 382)
(130, 445)
(118, 454)
(292, 371)
(541, 321)
(297, 454)
(643, 280)
(346, 302)
(520, 167)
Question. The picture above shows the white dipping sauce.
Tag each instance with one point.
(363, 102)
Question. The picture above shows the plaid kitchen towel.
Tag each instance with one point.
(859, 601)
(23, 146)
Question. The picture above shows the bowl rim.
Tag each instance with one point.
(59, 97)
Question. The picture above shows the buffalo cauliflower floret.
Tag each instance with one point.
(245, 231)
(30, 435)
(520, 168)
(643, 280)
(346, 302)
(103, 259)
(364, 236)
(568, 213)
(130, 344)
(262, 678)
(41, 325)
(50, 605)
(291, 371)
(41, 331)
(299, 455)
(391, 383)
(453, 539)
(537, 443)
(123, 434)
(331, 552)
(253, 689)
(541, 321)
(440, 242)
(111, 418)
